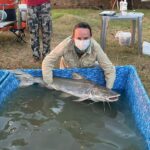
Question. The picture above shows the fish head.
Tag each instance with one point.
(103, 94)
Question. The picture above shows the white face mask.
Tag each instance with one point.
(82, 44)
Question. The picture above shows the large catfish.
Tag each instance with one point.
(78, 86)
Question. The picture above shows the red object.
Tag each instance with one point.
(7, 4)
(36, 2)
(23, 26)
(23, 1)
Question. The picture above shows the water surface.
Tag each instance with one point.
(37, 118)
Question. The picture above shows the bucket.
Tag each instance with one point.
(124, 38)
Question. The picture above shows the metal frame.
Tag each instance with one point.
(134, 17)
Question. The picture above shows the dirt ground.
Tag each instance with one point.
(19, 55)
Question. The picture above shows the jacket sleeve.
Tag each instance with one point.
(50, 60)
(106, 65)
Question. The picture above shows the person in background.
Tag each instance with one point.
(79, 50)
(39, 18)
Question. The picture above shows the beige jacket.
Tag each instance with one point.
(69, 59)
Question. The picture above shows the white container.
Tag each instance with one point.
(23, 11)
(23, 15)
(146, 48)
(124, 38)
(123, 7)
(22, 7)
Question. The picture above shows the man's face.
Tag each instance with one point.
(82, 34)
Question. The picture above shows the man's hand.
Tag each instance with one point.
(48, 81)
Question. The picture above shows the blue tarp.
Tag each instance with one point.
(127, 80)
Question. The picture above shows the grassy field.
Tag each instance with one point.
(19, 55)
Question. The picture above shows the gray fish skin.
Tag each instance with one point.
(81, 88)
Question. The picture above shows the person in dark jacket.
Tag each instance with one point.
(39, 18)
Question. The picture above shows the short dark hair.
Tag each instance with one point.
(82, 25)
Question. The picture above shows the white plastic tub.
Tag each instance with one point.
(124, 38)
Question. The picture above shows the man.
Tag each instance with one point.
(39, 18)
(79, 50)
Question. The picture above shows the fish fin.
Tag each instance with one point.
(81, 99)
(77, 76)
